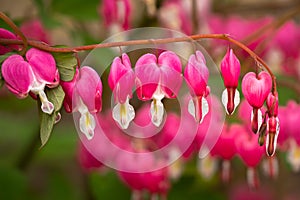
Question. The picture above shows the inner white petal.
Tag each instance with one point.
(123, 114)
(87, 125)
(205, 108)
(47, 106)
(157, 112)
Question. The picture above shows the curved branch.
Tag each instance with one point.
(17, 31)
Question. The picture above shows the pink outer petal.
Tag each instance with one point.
(147, 76)
(68, 88)
(121, 78)
(35, 30)
(17, 75)
(248, 148)
(255, 89)
(7, 35)
(89, 88)
(171, 77)
(196, 74)
(230, 68)
(43, 66)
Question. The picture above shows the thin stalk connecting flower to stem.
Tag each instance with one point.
(45, 47)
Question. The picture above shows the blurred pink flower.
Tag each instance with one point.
(5, 34)
(34, 30)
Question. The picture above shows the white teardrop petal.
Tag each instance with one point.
(236, 99)
(191, 108)
(87, 125)
(123, 114)
(205, 108)
(225, 99)
(157, 112)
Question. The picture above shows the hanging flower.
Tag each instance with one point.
(230, 69)
(121, 80)
(196, 74)
(88, 99)
(256, 89)
(158, 78)
(31, 75)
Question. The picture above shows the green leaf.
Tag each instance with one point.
(66, 64)
(55, 96)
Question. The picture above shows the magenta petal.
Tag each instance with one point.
(43, 66)
(171, 81)
(68, 88)
(196, 74)
(256, 89)
(7, 35)
(230, 68)
(89, 88)
(148, 76)
(17, 75)
(121, 78)
(171, 60)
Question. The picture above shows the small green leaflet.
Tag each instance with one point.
(66, 64)
(56, 96)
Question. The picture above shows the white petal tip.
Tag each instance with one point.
(87, 125)
(123, 114)
(157, 112)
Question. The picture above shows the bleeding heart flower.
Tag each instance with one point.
(7, 35)
(230, 69)
(88, 102)
(256, 89)
(250, 153)
(121, 80)
(158, 78)
(68, 87)
(33, 75)
(116, 14)
(34, 29)
(272, 123)
(196, 74)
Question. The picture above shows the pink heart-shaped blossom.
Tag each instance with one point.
(256, 88)
(230, 69)
(7, 35)
(43, 66)
(89, 88)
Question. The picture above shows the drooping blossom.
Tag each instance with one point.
(196, 74)
(34, 29)
(87, 99)
(225, 148)
(31, 75)
(256, 88)
(68, 87)
(250, 153)
(121, 80)
(87, 161)
(157, 78)
(5, 34)
(230, 69)
(272, 123)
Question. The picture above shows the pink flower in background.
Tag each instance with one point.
(87, 161)
(230, 69)
(88, 99)
(121, 81)
(175, 14)
(256, 89)
(250, 153)
(196, 74)
(34, 30)
(31, 75)
(7, 35)
(157, 78)
(116, 14)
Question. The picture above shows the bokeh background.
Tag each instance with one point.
(53, 172)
